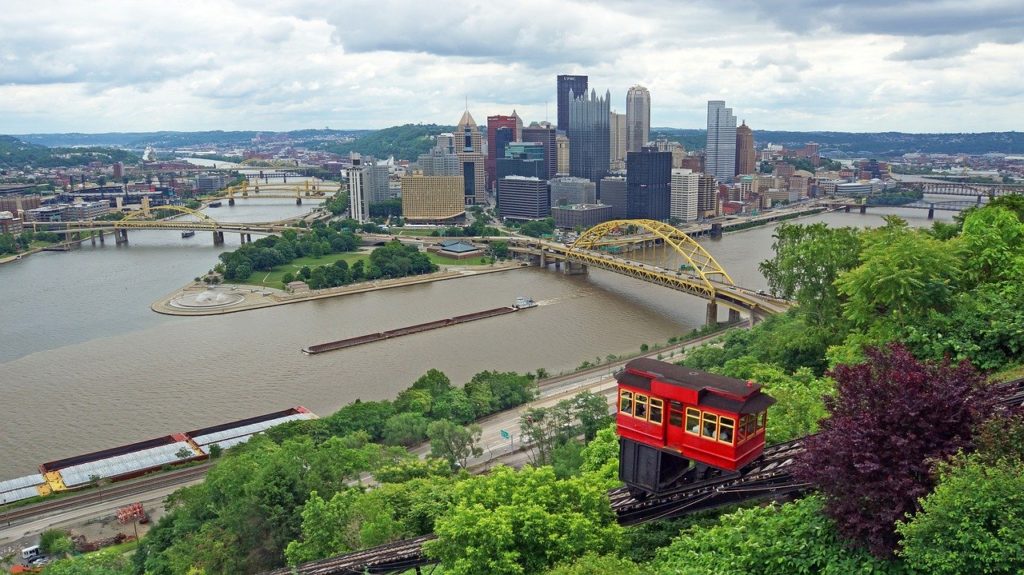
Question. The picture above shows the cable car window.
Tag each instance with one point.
(640, 409)
(750, 426)
(741, 430)
(656, 408)
(761, 419)
(710, 425)
(675, 418)
(676, 405)
(692, 421)
(626, 402)
(726, 425)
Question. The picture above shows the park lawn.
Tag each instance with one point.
(274, 277)
(417, 232)
(444, 261)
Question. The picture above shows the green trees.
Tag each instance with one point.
(55, 542)
(101, 563)
(512, 522)
(773, 540)
(551, 428)
(454, 443)
(971, 523)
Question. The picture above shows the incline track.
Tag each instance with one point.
(766, 477)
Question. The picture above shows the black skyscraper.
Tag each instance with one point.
(648, 184)
(589, 135)
(578, 85)
(544, 136)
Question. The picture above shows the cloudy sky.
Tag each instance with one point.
(869, 65)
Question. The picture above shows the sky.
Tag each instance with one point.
(865, 66)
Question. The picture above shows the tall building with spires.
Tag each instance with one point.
(589, 135)
(745, 157)
(566, 84)
(721, 147)
(469, 149)
(638, 118)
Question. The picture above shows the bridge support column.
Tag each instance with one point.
(92, 239)
(241, 239)
(716, 230)
(734, 316)
(575, 268)
(121, 236)
(863, 209)
(543, 260)
(218, 238)
(102, 237)
(711, 318)
(846, 208)
(231, 201)
(298, 201)
(979, 199)
(248, 238)
(931, 212)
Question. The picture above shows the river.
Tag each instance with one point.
(85, 364)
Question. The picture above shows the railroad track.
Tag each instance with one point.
(108, 493)
(766, 477)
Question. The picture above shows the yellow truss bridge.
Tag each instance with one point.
(658, 253)
(307, 190)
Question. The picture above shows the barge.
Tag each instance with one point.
(521, 303)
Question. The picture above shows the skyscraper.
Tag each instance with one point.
(469, 149)
(638, 118)
(545, 136)
(562, 148)
(745, 163)
(589, 135)
(617, 145)
(707, 197)
(721, 148)
(684, 195)
(358, 203)
(432, 198)
(575, 84)
(496, 142)
(522, 198)
(441, 160)
(648, 184)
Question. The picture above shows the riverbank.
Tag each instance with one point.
(245, 298)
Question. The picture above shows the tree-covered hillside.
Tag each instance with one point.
(16, 154)
(403, 142)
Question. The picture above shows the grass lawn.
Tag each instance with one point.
(274, 277)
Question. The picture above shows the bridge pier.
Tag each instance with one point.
(734, 316)
(102, 238)
(298, 201)
(711, 317)
(716, 230)
(231, 201)
(543, 260)
(931, 212)
(121, 236)
(575, 268)
(218, 238)
(864, 209)
(846, 208)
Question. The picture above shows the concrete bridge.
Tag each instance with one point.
(923, 204)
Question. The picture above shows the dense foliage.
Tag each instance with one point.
(971, 523)
(773, 540)
(891, 418)
(511, 522)
(265, 253)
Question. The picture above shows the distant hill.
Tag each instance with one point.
(879, 144)
(139, 140)
(17, 154)
(404, 142)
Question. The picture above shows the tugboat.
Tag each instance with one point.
(524, 302)
(188, 233)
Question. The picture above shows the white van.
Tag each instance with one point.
(32, 552)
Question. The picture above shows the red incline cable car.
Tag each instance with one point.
(678, 424)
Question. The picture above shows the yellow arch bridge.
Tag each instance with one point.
(169, 219)
(654, 252)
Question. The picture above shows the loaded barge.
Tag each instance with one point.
(521, 303)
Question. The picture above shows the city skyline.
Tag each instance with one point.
(114, 66)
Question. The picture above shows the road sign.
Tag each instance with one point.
(505, 434)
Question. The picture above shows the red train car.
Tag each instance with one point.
(678, 424)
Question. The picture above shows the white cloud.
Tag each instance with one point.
(229, 64)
